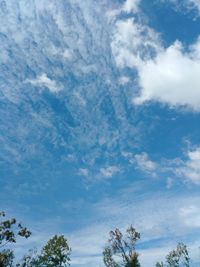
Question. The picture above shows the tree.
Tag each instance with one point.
(29, 260)
(6, 258)
(56, 253)
(123, 248)
(9, 231)
(178, 257)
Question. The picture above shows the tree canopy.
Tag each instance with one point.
(120, 250)
(178, 257)
(56, 253)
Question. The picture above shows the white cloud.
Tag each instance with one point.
(67, 54)
(167, 75)
(169, 183)
(196, 3)
(132, 42)
(144, 163)
(131, 6)
(188, 4)
(124, 80)
(84, 172)
(172, 77)
(44, 81)
(109, 171)
(190, 168)
(153, 218)
(190, 216)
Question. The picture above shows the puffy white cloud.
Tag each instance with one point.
(144, 163)
(190, 169)
(83, 172)
(167, 75)
(44, 81)
(109, 171)
(131, 6)
(172, 77)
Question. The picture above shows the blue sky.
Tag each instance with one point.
(99, 122)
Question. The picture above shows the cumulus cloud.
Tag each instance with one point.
(103, 173)
(190, 169)
(172, 77)
(144, 163)
(44, 81)
(131, 6)
(109, 171)
(83, 172)
(167, 75)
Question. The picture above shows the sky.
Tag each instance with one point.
(100, 122)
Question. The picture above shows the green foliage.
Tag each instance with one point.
(123, 247)
(178, 257)
(6, 258)
(29, 260)
(160, 264)
(120, 251)
(56, 253)
(10, 229)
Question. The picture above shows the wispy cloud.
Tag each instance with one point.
(166, 220)
(185, 4)
(99, 174)
(127, 52)
(191, 216)
(44, 81)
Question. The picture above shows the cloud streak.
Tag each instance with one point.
(44, 81)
